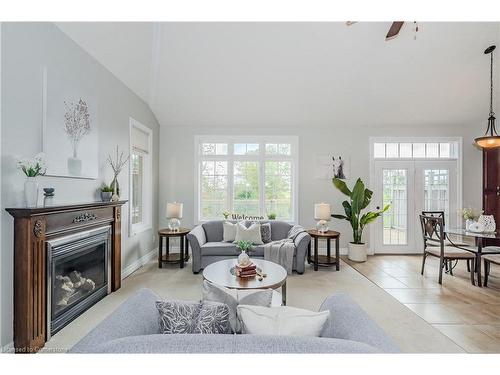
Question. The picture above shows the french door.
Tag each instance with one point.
(410, 187)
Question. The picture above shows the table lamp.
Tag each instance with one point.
(174, 214)
(322, 212)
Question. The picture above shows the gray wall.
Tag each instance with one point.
(177, 174)
(26, 48)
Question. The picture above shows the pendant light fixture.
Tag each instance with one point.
(491, 139)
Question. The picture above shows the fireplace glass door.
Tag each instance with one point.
(79, 274)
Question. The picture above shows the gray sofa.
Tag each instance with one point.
(133, 328)
(207, 246)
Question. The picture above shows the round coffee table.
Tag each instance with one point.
(219, 273)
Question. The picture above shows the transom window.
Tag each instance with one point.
(247, 176)
(415, 150)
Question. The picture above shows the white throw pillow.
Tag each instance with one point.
(233, 297)
(281, 321)
(251, 234)
(228, 231)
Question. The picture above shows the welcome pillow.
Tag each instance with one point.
(250, 234)
(281, 321)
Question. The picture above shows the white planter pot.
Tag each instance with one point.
(31, 191)
(357, 252)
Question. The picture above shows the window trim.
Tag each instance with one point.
(455, 144)
(147, 191)
(260, 158)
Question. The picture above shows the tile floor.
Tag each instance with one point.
(467, 314)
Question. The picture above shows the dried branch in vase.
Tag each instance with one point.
(118, 163)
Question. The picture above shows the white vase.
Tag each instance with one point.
(488, 221)
(74, 166)
(468, 223)
(243, 259)
(357, 252)
(31, 191)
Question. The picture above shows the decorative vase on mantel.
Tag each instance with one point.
(116, 190)
(31, 189)
(115, 186)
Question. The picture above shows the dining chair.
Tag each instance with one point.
(488, 259)
(433, 233)
(448, 242)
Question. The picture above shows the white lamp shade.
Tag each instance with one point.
(174, 210)
(322, 211)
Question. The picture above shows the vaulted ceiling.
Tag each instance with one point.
(296, 74)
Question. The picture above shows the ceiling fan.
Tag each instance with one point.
(393, 30)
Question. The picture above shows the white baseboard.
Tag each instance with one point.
(9, 348)
(139, 263)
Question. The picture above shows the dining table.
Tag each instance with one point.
(479, 249)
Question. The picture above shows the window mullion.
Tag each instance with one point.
(262, 176)
(230, 177)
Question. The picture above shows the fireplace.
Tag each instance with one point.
(78, 275)
(66, 258)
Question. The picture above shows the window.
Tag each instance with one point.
(141, 190)
(415, 150)
(248, 176)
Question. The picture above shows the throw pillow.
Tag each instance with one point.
(177, 317)
(250, 234)
(233, 297)
(229, 231)
(282, 321)
(265, 232)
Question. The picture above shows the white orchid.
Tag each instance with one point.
(32, 167)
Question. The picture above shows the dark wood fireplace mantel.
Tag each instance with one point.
(33, 227)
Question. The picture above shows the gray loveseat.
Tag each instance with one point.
(207, 246)
(133, 328)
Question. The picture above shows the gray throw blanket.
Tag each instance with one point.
(281, 251)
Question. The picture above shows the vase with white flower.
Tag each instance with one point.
(32, 168)
(470, 216)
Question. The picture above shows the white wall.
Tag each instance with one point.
(177, 163)
(26, 48)
(331, 85)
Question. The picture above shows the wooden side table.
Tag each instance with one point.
(324, 260)
(182, 256)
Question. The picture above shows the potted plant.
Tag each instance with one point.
(243, 258)
(32, 168)
(271, 216)
(471, 216)
(359, 199)
(106, 193)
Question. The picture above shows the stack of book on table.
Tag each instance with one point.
(246, 271)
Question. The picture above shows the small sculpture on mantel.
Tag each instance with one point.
(117, 165)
